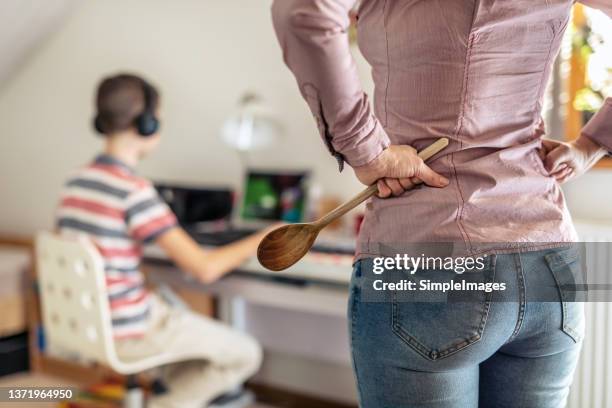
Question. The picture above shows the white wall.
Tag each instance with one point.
(23, 24)
(203, 55)
(590, 197)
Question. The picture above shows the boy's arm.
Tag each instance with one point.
(207, 266)
(149, 219)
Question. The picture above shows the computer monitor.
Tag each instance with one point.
(195, 205)
(274, 196)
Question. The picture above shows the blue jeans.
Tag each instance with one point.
(515, 348)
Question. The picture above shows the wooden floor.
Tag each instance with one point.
(40, 380)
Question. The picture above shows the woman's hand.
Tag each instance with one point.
(397, 169)
(568, 160)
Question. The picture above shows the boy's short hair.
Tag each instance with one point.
(120, 99)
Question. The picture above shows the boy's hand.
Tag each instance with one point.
(568, 160)
(397, 169)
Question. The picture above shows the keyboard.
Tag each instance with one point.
(220, 238)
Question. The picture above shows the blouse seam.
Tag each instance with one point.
(536, 111)
(460, 120)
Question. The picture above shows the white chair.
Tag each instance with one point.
(75, 307)
(76, 311)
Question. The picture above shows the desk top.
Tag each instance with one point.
(314, 267)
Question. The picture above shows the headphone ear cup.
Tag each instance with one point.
(97, 124)
(147, 124)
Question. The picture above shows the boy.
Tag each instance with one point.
(120, 211)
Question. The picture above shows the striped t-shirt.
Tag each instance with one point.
(118, 211)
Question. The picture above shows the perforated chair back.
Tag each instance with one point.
(75, 307)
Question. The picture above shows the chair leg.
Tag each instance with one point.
(134, 395)
(158, 387)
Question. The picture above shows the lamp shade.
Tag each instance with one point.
(253, 126)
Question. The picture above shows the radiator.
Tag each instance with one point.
(592, 386)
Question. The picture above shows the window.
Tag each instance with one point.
(586, 68)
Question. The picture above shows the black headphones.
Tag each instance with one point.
(146, 123)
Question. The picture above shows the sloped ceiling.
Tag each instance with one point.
(24, 25)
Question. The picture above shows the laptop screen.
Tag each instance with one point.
(274, 196)
(196, 205)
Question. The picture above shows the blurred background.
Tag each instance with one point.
(205, 56)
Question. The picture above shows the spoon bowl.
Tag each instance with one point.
(286, 245)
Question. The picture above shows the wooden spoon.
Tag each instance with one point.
(286, 245)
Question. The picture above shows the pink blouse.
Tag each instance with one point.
(473, 71)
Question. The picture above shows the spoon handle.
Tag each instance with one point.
(339, 211)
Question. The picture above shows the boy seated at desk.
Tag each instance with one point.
(120, 211)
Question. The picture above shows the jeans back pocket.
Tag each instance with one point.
(439, 323)
(567, 270)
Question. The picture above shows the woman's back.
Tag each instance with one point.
(474, 72)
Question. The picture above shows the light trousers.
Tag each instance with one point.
(215, 358)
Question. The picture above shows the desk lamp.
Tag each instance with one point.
(253, 126)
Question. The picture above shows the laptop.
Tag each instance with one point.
(196, 207)
(272, 196)
(210, 217)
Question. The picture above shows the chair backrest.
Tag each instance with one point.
(75, 306)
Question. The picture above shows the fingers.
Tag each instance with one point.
(562, 167)
(403, 170)
(395, 186)
(555, 157)
(565, 175)
(407, 183)
(547, 146)
(383, 190)
(562, 173)
(388, 187)
(430, 177)
(416, 181)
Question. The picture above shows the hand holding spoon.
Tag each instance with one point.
(286, 245)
